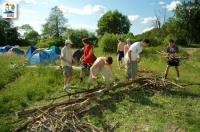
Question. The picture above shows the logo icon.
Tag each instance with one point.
(9, 10)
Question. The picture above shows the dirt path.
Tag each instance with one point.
(190, 51)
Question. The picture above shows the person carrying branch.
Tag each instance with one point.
(102, 65)
(66, 62)
(87, 58)
(173, 60)
(133, 58)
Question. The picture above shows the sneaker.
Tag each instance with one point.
(164, 78)
(177, 78)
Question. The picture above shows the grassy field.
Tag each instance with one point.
(131, 108)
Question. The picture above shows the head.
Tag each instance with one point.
(68, 43)
(119, 40)
(109, 60)
(145, 43)
(128, 41)
(85, 41)
(171, 42)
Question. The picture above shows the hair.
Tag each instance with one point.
(171, 41)
(120, 39)
(109, 60)
(85, 40)
(146, 41)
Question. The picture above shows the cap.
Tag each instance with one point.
(68, 41)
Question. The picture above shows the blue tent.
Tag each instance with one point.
(16, 51)
(40, 57)
(55, 49)
(30, 51)
(5, 48)
(43, 57)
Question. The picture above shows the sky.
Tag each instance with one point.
(86, 13)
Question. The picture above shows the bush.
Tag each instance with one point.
(44, 43)
(76, 37)
(108, 42)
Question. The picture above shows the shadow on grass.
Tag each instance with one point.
(181, 93)
(111, 99)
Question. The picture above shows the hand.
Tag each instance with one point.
(94, 77)
(81, 59)
(129, 60)
(138, 60)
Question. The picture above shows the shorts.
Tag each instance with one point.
(131, 69)
(120, 55)
(85, 66)
(173, 62)
(67, 71)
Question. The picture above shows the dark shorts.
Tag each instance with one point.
(85, 66)
(120, 55)
(67, 71)
(173, 62)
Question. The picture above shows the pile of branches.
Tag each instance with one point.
(65, 115)
(156, 83)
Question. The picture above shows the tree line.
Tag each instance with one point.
(183, 27)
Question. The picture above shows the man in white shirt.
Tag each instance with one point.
(132, 57)
(66, 63)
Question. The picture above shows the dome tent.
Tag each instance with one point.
(5, 48)
(55, 49)
(30, 51)
(16, 51)
(39, 57)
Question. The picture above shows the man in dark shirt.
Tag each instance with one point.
(173, 59)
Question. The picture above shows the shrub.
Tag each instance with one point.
(108, 42)
(44, 43)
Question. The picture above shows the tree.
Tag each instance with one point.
(30, 35)
(187, 20)
(55, 25)
(76, 36)
(8, 33)
(113, 22)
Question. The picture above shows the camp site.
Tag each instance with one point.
(100, 66)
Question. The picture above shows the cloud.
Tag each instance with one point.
(22, 1)
(27, 11)
(148, 20)
(148, 29)
(162, 3)
(86, 10)
(171, 6)
(84, 26)
(133, 18)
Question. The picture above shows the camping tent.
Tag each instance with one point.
(30, 51)
(16, 51)
(40, 57)
(5, 48)
(55, 49)
(78, 54)
(45, 56)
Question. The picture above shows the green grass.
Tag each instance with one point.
(131, 107)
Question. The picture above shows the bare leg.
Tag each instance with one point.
(81, 75)
(177, 71)
(166, 71)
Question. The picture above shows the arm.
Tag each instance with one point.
(92, 70)
(129, 56)
(111, 70)
(138, 58)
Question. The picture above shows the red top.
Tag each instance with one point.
(87, 49)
